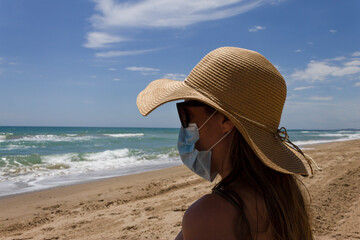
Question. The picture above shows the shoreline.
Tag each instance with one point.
(69, 180)
(97, 176)
(151, 204)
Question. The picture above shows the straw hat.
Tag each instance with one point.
(245, 87)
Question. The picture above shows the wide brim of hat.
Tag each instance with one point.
(271, 151)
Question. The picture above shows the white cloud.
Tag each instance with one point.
(315, 71)
(317, 98)
(346, 71)
(303, 88)
(332, 31)
(102, 40)
(256, 28)
(356, 54)
(357, 84)
(113, 18)
(110, 54)
(298, 50)
(117, 79)
(164, 13)
(338, 88)
(93, 76)
(175, 76)
(353, 63)
(142, 69)
(340, 58)
(334, 67)
(112, 69)
(291, 96)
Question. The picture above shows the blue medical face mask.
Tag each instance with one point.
(197, 161)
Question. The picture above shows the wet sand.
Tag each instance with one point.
(151, 205)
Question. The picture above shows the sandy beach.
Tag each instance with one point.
(151, 205)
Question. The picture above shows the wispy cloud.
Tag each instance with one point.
(332, 31)
(114, 18)
(112, 69)
(110, 54)
(303, 88)
(161, 13)
(356, 54)
(321, 70)
(175, 76)
(256, 28)
(353, 63)
(317, 98)
(292, 96)
(102, 40)
(357, 84)
(142, 69)
(117, 79)
(298, 50)
(340, 58)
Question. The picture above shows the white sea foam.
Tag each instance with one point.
(70, 168)
(120, 135)
(334, 135)
(6, 133)
(311, 142)
(71, 135)
(2, 138)
(347, 131)
(74, 163)
(14, 147)
(52, 138)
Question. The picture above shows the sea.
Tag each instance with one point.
(36, 158)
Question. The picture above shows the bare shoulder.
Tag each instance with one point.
(210, 217)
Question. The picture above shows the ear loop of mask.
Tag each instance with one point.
(222, 136)
(221, 139)
(207, 120)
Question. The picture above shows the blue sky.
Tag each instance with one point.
(82, 63)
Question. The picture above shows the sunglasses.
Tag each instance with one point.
(183, 113)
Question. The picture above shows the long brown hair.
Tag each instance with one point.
(286, 210)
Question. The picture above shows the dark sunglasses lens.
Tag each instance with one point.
(182, 115)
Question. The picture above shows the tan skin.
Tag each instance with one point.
(212, 217)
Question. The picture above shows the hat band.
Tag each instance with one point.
(284, 137)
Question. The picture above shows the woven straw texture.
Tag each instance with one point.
(244, 86)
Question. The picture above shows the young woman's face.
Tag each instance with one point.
(198, 115)
(210, 133)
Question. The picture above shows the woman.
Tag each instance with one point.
(230, 117)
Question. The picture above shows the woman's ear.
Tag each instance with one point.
(226, 124)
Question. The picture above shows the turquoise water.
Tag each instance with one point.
(33, 158)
